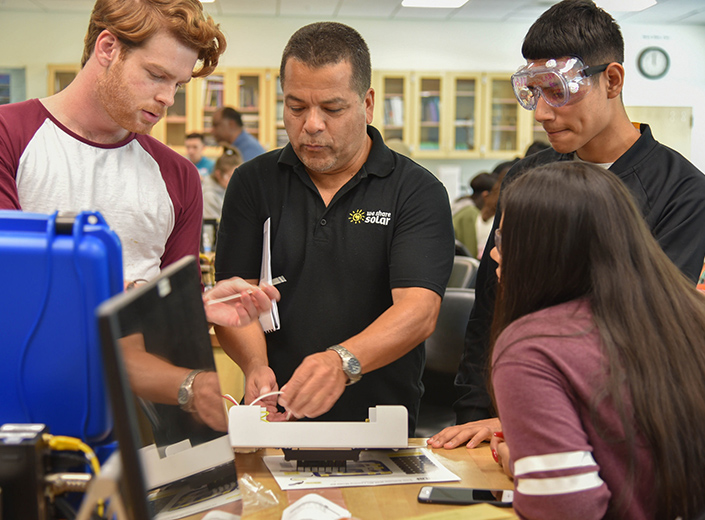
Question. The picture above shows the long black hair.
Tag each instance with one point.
(571, 230)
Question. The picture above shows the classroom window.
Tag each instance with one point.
(12, 85)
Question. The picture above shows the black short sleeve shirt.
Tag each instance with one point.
(389, 227)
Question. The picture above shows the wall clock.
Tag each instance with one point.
(653, 62)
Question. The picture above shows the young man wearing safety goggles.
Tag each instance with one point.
(573, 82)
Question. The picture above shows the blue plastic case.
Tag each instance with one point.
(54, 272)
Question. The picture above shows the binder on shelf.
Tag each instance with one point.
(214, 94)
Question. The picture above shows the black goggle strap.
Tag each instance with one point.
(591, 71)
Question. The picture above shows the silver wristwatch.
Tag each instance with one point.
(185, 396)
(351, 365)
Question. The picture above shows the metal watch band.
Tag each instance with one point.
(185, 396)
(351, 365)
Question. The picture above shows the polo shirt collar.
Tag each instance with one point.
(637, 153)
(380, 161)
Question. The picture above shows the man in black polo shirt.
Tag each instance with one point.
(363, 235)
(573, 82)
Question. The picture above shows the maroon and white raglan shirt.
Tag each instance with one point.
(149, 195)
(547, 369)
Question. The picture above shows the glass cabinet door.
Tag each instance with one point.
(465, 99)
(503, 124)
(395, 90)
(429, 114)
(213, 96)
(176, 120)
(281, 137)
(248, 99)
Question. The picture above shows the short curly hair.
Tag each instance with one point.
(133, 22)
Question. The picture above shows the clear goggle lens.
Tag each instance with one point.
(557, 81)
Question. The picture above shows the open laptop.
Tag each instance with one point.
(173, 465)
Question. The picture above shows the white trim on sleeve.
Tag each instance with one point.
(559, 485)
(553, 462)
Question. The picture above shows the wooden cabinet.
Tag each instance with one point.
(460, 115)
(194, 105)
(392, 114)
(465, 110)
(509, 129)
(430, 123)
(501, 121)
(276, 136)
(251, 101)
(438, 115)
(209, 96)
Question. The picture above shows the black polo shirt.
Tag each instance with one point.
(669, 191)
(390, 226)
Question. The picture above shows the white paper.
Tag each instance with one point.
(375, 468)
(314, 507)
(268, 320)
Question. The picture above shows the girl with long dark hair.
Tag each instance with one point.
(598, 361)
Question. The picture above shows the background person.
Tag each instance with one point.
(599, 359)
(215, 184)
(588, 123)
(228, 129)
(479, 184)
(362, 234)
(467, 221)
(195, 144)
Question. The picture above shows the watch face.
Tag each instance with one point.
(354, 366)
(183, 396)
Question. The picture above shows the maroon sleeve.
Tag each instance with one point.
(183, 183)
(18, 123)
(541, 423)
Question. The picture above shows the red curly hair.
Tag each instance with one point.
(133, 22)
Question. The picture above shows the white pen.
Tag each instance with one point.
(275, 281)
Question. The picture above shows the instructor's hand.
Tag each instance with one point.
(315, 386)
(243, 310)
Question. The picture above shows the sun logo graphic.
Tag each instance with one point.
(357, 216)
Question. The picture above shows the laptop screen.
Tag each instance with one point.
(175, 463)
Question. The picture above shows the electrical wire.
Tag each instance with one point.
(64, 443)
(265, 395)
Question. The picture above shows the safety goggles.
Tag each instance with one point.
(557, 81)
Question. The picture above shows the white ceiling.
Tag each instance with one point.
(666, 12)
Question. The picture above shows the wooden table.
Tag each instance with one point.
(475, 467)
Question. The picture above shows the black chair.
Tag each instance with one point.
(460, 249)
(464, 272)
(443, 351)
